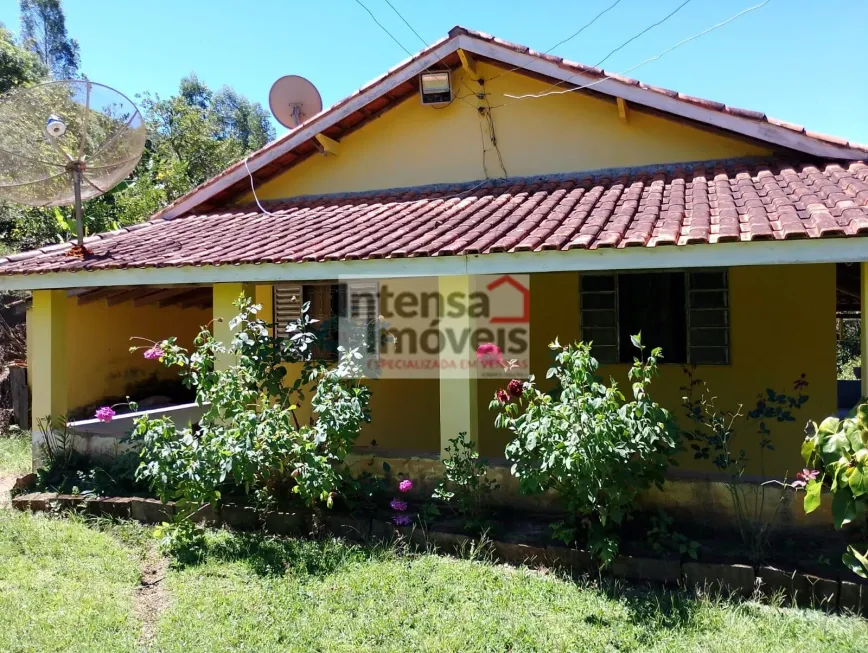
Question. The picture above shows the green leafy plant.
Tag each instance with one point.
(664, 539)
(836, 454)
(713, 438)
(465, 485)
(182, 540)
(595, 448)
(249, 435)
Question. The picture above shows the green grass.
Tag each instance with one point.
(67, 585)
(64, 587)
(14, 454)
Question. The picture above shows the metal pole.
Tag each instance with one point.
(79, 218)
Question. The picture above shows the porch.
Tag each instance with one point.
(766, 326)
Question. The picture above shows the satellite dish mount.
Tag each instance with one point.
(293, 100)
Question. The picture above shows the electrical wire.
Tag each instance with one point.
(548, 92)
(569, 38)
(253, 188)
(391, 36)
(407, 24)
(644, 31)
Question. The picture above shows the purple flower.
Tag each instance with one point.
(402, 520)
(104, 414)
(154, 353)
(488, 353)
(398, 505)
(515, 388)
(502, 396)
(406, 485)
(804, 476)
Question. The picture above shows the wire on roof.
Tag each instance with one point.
(569, 38)
(407, 24)
(253, 188)
(391, 36)
(644, 31)
(548, 92)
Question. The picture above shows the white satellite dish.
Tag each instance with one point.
(293, 100)
(65, 142)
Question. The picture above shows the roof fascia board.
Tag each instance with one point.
(309, 131)
(831, 250)
(759, 130)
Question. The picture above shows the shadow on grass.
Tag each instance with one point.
(268, 555)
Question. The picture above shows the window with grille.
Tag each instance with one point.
(345, 313)
(685, 313)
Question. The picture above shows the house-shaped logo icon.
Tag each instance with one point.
(521, 300)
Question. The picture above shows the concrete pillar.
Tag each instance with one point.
(864, 330)
(224, 295)
(47, 360)
(458, 387)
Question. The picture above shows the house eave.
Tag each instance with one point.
(785, 252)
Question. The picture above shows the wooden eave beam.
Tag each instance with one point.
(468, 63)
(102, 293)
(131, 294)
(161, 295)
(623, 109)
(329, 145)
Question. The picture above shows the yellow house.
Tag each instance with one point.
(717, 231)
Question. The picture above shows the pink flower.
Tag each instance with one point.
(502, 396)
(104, 414)
(488, 353)
(804, 476)
(406, 485)
(398, 505)
(515, 388)
(402, 520)
(154, 353)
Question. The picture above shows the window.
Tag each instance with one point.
(345, 314)
(685, 313)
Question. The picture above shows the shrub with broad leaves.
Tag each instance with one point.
(249, 435)
(836, 453)
(587, 442)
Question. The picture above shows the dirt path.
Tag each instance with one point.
(151, 597)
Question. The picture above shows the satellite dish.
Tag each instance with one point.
(293, 100)
(66, 142)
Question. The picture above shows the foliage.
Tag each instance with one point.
(15, 452)
(43, 32)
(181, 540)
(848, 348)
(664, 539)
(838, 449)
(249, 434)
(465, 486)
(713, 438)
(18, 66)
(596, 449)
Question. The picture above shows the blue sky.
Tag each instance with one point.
(798, 60)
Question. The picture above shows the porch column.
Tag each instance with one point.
(224, 295)
(864, 328)
(458, 394)
(47, 360)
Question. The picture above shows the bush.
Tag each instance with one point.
(836, 453)
(596, 449)
(249, 435)
(465, 486)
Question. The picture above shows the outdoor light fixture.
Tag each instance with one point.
(435, 87)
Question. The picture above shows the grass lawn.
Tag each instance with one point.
(69, 586)
(14, 454)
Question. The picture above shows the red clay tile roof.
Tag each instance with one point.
(651, 206)
(281, 154)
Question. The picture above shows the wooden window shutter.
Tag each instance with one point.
(288, 301)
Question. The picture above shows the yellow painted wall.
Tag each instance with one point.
(781, 326)
(414, 144)
(99, 362)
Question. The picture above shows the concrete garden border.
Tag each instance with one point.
(795, 587)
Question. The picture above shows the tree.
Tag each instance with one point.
(18, 66)
(43, 32)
